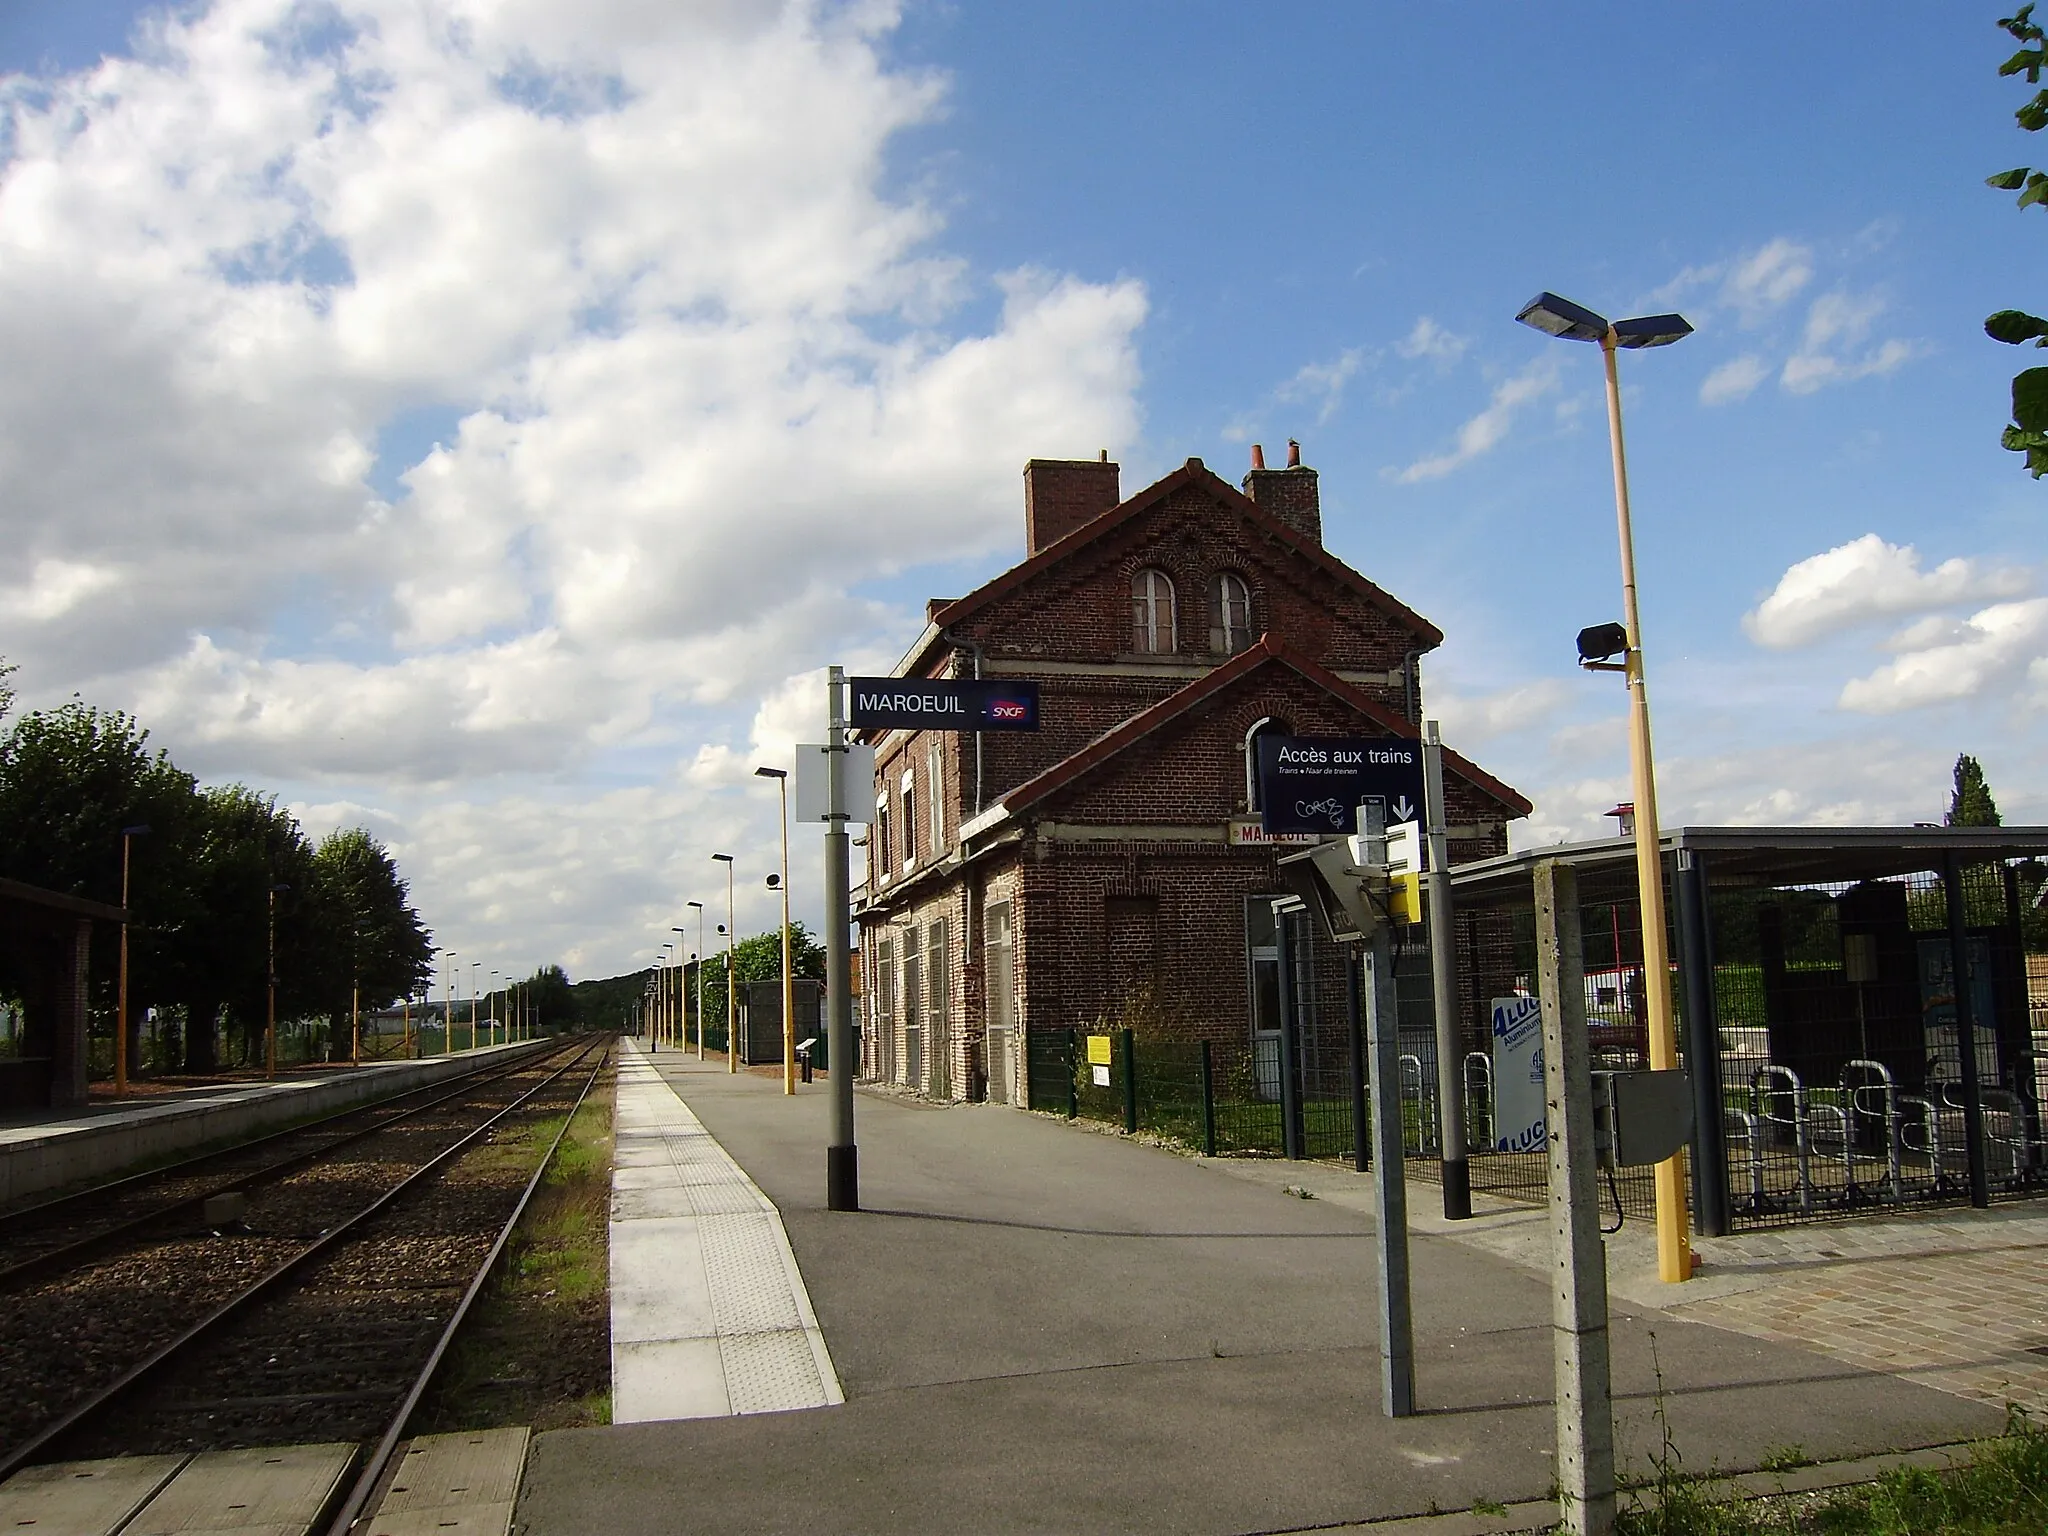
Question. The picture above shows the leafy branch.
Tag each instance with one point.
(2028, 432)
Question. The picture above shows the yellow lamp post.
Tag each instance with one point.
(270, 989)
(1572, 322)
(698, 960)
(732, 1044)
(781, 778)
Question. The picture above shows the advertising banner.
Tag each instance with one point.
(1519, 1123)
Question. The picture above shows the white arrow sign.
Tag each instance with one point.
(1402, 810)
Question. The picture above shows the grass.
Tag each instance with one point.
(2001, 1489)
(537, 1347)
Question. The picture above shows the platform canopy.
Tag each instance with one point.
(1760, 856)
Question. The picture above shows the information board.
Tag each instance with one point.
(1519, 1123)
(1314, 783)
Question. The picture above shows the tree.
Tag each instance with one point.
(759, 958)
(552, 1003)
(1970, 803)
(373, 949)
(2028, 432)
(71, 779)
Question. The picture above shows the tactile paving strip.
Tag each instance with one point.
(709, 1312)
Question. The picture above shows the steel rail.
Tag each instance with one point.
(55, 1258)
(352, 1507)
(26, 1453)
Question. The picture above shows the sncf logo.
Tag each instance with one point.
(1007, 709)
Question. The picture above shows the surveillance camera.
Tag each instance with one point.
(775, 882)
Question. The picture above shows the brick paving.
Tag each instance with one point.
(1956, 1301)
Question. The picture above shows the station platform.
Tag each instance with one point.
(43, 1151)
(1040, 1328)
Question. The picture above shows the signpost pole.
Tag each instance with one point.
(1450, 1060)
(1389, 1171)
(842, 1157)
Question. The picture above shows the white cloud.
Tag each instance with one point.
(1430, 340)
(1470, 720)
(1837, 323)
(1322, 384)
(699, 368)
(1485, 430)
(1865, 580)
(1767, 278)
(1734, 379)
(1936, 662)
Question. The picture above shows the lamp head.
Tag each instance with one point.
(697, 904)
(1599, 642)
(276, 888)
(140, 829)
(771, 773)
(1562, 318)
(722, 858)
(1651, 331)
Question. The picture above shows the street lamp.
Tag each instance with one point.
(699, 958)
(448, 1003)
(270, 997)
(128, 835)
(661, 983)
(781, 778)
(495, 1022)
(732, 1055)
(476, 976)
(1571, 322)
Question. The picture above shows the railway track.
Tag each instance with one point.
(60, 1231)
(321, 1319)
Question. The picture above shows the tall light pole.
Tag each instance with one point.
(699, 957)
(732, 1053)
(781, 778)
(681, 1029)
(270, 993)
(476, 976)
(128, 835)
(448, 1004)
(661, 992)
(1572, 322)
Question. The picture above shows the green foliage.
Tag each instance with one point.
(2028, 433)
(553, 1002)
(1970, 803)
(201, 901)
(759, 958)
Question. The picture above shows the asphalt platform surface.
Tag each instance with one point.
(1041, 1328)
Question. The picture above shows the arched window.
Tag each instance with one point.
(1233, 629)
(1152, 612)
(1266, 727)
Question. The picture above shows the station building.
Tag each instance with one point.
(1109, 867)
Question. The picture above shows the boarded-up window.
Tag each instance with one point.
(1131, 964)
(998, 967)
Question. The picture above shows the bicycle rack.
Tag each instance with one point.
(1930, 1143)
(1860, 1079)
(1818, 1114)
(1762, 1098)
(1484, 1079)
(1425, 1121)
(1749, 1130)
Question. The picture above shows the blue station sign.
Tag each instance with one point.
(1314, 783)
(944, 704)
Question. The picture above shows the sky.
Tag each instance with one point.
(481, 421)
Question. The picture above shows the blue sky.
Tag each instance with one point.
(919, 246)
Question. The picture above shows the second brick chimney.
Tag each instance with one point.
(1062, 494)
(1290, 494)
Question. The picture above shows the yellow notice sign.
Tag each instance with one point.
(1098, 1050)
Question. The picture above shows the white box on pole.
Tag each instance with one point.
(813, 763)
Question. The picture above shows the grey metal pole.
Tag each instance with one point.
(1966, 1030)
(1389, 1169)
(1702, 1045)
(842, 1157)
(1450, 1058)
(1578, 1311)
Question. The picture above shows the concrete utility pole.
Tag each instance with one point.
(1450, 1059)
(842, 1157)
(1578, 1312)
(1389, 1167)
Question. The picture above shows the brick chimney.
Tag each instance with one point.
(1290, 494)
(1062, 494)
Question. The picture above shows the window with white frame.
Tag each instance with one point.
(1233, 630)
(1152, 612)
(935, 791)
(878, 842)
(909, 818)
